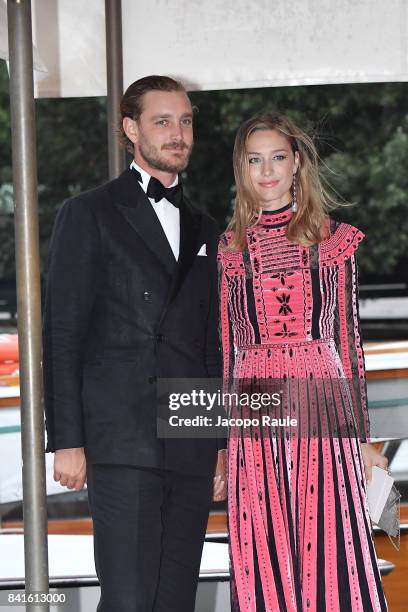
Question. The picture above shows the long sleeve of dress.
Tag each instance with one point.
(212, 344)
(225, 327)
(350, 342)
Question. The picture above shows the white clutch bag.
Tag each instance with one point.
(384, 503)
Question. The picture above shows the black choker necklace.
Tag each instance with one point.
(278, 210)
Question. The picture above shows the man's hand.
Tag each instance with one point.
(371, 457)
(220, 477)
(70, 467)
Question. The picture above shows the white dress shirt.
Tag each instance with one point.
(168, 214)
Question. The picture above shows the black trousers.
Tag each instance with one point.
(149, 528)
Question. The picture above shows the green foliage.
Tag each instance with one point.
(361, 132)
(7, 257)
(72, 153)
(71, 157)
(377, 184)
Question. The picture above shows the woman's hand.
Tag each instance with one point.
(371, 457)
(220, 477)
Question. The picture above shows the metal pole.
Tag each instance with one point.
(28, 296)
(114, 72)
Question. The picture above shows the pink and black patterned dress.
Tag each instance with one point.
(300, 534)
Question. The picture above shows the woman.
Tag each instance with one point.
(300, 535)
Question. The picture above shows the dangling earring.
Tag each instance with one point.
(294, 200)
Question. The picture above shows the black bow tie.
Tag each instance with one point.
(157, 191)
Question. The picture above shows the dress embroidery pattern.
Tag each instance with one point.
(299, 528)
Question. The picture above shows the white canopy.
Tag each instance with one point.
(220, 44)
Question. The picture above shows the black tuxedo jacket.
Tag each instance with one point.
(120, 312)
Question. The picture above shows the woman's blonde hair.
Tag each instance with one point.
(308, 225)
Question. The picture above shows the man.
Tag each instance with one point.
(131, 297)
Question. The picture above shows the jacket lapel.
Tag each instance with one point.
(190, 225)
(132, 202)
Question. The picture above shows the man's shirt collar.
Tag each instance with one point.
(146, 176)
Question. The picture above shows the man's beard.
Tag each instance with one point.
(152, 157)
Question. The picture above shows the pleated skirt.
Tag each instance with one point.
(300, 533)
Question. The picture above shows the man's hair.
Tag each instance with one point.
(131, 104)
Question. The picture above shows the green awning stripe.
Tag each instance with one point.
(391, 403)
(10, 429)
